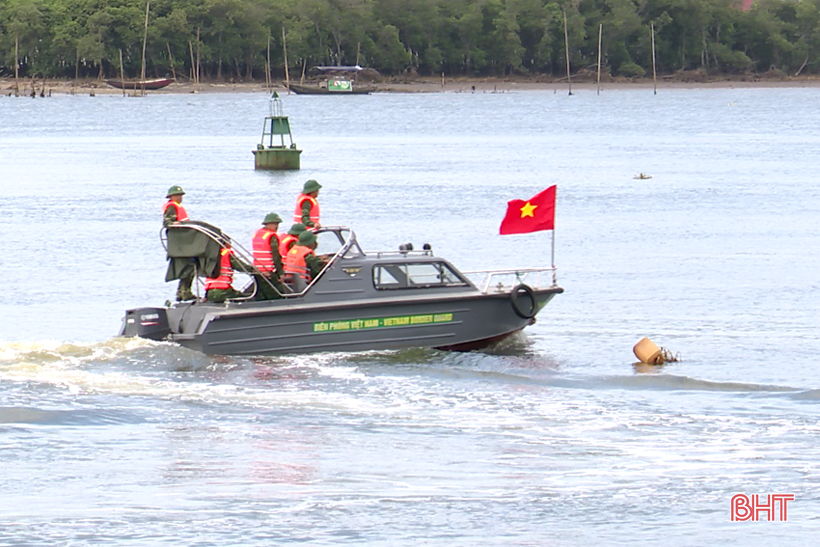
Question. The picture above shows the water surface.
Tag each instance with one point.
(553, 438)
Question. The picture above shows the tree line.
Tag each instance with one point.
(233, 39)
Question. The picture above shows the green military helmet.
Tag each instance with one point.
(272, 218)
(311, 186)
(297, 229)
(174, 191)
(307, 238)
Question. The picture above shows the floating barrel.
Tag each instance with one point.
(648, 352)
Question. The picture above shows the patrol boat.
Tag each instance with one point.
(360, 301)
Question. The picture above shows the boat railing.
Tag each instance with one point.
(348, 240)
(502, 281)
(239, 250)
(398, 254)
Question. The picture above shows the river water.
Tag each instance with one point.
(553, 438)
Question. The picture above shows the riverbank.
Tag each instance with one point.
(50, 87)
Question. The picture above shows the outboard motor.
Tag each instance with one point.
(149, 323)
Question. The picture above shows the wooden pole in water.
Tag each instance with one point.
(654, 71)
(122, 74)
(267, 68)
(198, 59)
(285, 47)
(76, 70)
(566, 49)
(193, 63)
(600, 33)
(171, 58)
(16, 65)
(144, 41)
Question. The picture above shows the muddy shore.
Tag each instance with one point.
(41, 88)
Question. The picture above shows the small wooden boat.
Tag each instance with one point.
(336, 80)
(332, 87)
(155, 83)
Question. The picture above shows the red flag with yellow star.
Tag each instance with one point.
(532, 215)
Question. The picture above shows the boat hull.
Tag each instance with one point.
(463, 322)
(154, 84)
(316, 90)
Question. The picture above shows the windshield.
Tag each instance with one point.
(329, 242)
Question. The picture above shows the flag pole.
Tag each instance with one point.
(554, 277)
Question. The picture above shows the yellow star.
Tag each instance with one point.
(527, 210)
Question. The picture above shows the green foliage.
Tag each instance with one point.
(472, 37)
(631, 70)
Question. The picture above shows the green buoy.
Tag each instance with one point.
(278, 156)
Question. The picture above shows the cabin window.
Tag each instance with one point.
(416, 275)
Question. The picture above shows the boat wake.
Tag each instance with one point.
(19, 356)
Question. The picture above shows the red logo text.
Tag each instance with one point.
(773, 506)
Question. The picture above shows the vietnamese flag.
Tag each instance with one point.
(533, 215)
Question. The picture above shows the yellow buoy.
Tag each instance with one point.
(648, 352)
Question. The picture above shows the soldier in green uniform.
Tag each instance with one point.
(173, 212)
(267, 259)
(302, 261)
(219, 289)
(307, 208)
(313, 262)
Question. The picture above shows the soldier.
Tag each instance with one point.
(267, 260)
(287, 241)
(302, 261)
(307, 208)
(218, 289)
(174, 212)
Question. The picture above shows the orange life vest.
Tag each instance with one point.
(296, 264)
(286, 243)
(225, 273)
(181, 214)
(262, 255)
(314, 208)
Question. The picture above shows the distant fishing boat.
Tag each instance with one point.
(332, 87)
(337, 80)
(155, 83)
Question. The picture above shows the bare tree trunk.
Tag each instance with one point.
(267, 66)
(193, 63)
(171, 58)
(600, 34)
(654, 71)
(219, 62)
(16, 65)
(287, 74)
(566, 49)
(805, 62)
(198, 59)
(144, 41)
(122, 75)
